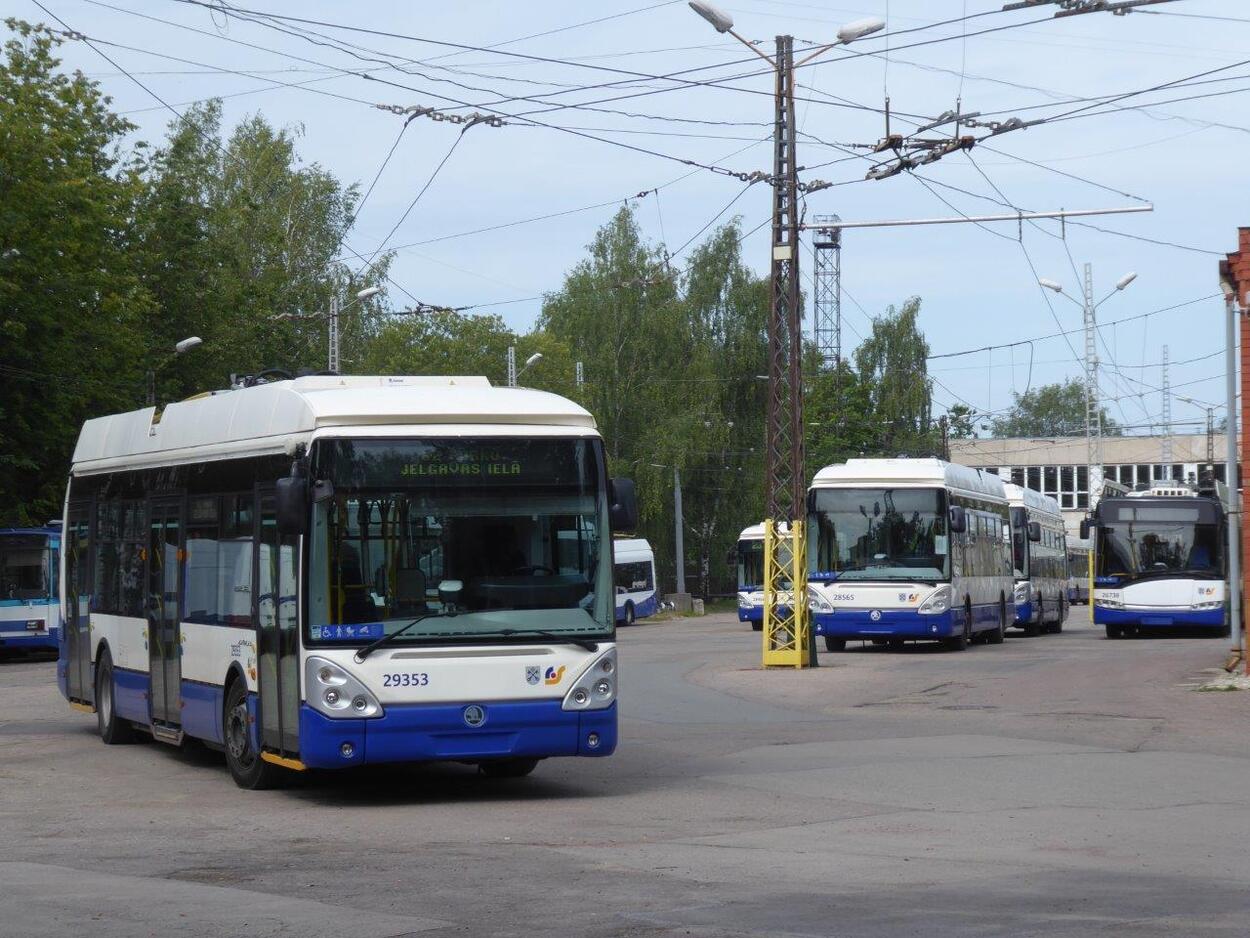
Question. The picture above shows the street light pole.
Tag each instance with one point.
(333, 365)
(679, 546)
(1232, 464)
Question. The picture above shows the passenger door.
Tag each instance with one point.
(75, 613)
(164, 550)
(277, 597)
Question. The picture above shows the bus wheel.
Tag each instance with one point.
(834, 644)
(629, 613)
(999, 634)
(1115, 631)
(960, 642)
(1035, 627)
(1060, 603)
(113, 729)
(246, 766)
(757, 626)
(507, 768)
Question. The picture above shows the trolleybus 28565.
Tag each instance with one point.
(908, 549)
(1039, 557)
(331, 571)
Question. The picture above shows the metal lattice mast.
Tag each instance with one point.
(827, 292)
(784, 483)
(1093, 412)
(512, 366)
(1167, 418)
(333, 363)
(1211, 438)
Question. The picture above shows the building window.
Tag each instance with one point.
(1017, 475)
(1050, 480)
(1035, 478)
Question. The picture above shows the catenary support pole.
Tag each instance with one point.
(679, 541)
(1234, 497)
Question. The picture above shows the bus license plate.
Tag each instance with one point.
(34, 625)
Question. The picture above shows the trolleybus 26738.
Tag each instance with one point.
(635, 579)
(908, 549)
(331, 571)
(1159, 560)
(30, 612)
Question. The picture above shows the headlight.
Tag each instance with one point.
(744, 601)
(939, 601)
(1021, 593)
(817, 603)
(1211, 604)
(596, 688)
(1108, 603)
(335, 692)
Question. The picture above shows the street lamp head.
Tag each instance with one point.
(721, 21)
(187, 344)
(537, 356)
(1051, 284)
(1226, 281)
(860, 28)
(1125, 280)
(368, 292)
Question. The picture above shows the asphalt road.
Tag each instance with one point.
(1060, 785)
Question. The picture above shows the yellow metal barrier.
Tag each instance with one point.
(786, 620)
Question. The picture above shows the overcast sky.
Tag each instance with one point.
(1187, 158)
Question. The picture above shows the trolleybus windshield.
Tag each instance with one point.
(24, 567)
(881, 533)
(1158, 540)
(517, 526)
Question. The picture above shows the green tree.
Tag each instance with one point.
(238, 241)
(1050, 411)
(836, 407)
(893, 360)
(962, 422)
(71, 304)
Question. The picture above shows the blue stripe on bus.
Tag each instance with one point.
(45, 601)
(437, 732)
(130, 694)
(201, 710)
(1024, 613)
(1161, 618)
(902, 623)
(20, 640)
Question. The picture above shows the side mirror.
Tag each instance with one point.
(291, 499)
(449, 592)
(1084, 529)
(1035, 531)
(959, 520)
(623, 502)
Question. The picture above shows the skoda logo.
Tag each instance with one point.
(474, 715)
(875, 615)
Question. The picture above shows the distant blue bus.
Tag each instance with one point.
(30, 612)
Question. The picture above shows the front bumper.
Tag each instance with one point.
(1159, 618)
(752, 614)
(25, 639)
(438, 732)
(891, 623)
(1024, 613)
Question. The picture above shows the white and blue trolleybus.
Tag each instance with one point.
(749, 560)
(1159, 560)
(332, 571)
(1078, 570)
(1039, 558)
(908, 549)
(634, 563)
(30, 611)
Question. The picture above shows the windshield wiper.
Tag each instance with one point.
(378, 643)
(551, 637)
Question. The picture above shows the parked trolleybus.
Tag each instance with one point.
(1039, 558)
(1159, 560)
(634, 563)
(750, 563)
(30, 611)
(908, 549)
(1078, 571)
(332, 571)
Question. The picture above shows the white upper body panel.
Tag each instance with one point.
(632, 548)
(273, 418)
(911, 473)
(1037, 504)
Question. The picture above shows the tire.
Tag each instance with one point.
(1035, 628)
(113, 729)
(1057, 626)
(246, 766)
(834, 644)
(757, 626)
(629, 614)
(1115, 631)
(960, 642)
(507, 768)
(999, 635)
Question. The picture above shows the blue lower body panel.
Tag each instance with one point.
(1160, 618)
(851, 624)
(1024, 613)
(754, 614)
(130, 695)
(201, 710)
(648, 607)
(437, 732)
(29, 640)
